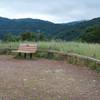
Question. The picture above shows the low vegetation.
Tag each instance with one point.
(91, 50)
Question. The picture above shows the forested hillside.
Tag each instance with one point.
(80, 30)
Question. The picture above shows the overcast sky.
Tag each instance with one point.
(58, 11)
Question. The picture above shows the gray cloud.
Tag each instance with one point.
(52, 10)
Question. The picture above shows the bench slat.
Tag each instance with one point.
(26, 48)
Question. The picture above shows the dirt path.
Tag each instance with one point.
(44, 79)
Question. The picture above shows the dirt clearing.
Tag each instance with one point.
(44, 79)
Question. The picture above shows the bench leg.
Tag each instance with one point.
(19, 54)
(25, 55)
(30, 55)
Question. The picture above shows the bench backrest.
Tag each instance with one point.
(27, 48)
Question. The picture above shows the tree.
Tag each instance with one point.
(9, 37)
(92, 34)
(29, 36)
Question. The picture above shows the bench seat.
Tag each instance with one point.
(26, 49)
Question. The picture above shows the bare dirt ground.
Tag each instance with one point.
(44, 79)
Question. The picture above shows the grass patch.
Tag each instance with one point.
(86, 49)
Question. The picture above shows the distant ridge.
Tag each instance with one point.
(65, 31)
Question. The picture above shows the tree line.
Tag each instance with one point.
(90, 34)
(26, 36)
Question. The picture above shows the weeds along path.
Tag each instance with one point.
(44, 79)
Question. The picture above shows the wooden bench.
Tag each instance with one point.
(26, 48)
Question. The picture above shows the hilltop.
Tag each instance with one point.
(66, 31)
